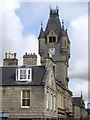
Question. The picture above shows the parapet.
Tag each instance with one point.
(10, 55)
(28, 55)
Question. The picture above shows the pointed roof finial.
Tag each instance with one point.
(81, 93)
(66, 29)
(41, 24)
(50, 7)
(63, 24)
(57, 7)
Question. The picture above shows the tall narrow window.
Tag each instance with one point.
(47, 100)
(54, 39)
(16, 74)
(22, 74)
(54, 70)
(28, 74)
(50, 39)
(51, 101)
(54, 102)
(62, 100)
(25, 98)
(65, 44)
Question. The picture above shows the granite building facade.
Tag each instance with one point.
(32, 92)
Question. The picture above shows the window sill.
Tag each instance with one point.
(25, 106)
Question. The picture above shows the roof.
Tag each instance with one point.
(9, 76)
(78, 101)
(42, 33)
(88, 111)
(53, 24)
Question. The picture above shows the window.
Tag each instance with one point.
(65, 44)
(54, 102)
(23, 74)
(25, 98)
(52, 39)
(54, 70)
(47, 100)
(28, 74)
(62, 101)
(51, 101)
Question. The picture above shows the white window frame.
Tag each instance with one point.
(26, 98)
(27, 74)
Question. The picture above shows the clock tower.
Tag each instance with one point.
(54, 43)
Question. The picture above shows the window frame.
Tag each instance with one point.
(20, 77)
(28, 106)
(52, 38)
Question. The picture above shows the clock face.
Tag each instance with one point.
(52, 50)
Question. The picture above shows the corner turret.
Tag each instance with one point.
(41, 35)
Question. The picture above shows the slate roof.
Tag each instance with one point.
(78, 101)
(42, 33)
(53, 24)
(9, 76)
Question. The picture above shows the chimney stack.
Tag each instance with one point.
(10, 60)
(30, 59)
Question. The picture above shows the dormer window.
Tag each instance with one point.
(23, 74)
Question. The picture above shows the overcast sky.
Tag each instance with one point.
(20, 27)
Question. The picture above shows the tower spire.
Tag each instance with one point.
(81, 94)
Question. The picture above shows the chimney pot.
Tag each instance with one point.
(5, 55)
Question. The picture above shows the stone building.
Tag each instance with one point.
(79, 110)
(10, 59)
(88, 111)
(31, 92)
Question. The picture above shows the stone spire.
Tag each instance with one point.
(53, 22)
(41, 35)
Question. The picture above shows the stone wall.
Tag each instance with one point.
(11, 102)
